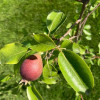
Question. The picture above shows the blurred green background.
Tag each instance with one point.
(20, 18)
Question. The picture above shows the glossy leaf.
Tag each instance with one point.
(70, 74)
(69, 25)
(12, 53)
(30, 94)
(81, 67)
(67, 44)
(76, 48)
(54, 20)
(82, 49)
(75, 71)
(50, 76)
(36, 92)
(43, 43)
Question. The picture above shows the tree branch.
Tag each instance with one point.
(85, 19)
(90, 13)
(80, 17)
(70, 29)
(96, 57)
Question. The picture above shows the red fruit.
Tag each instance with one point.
(31, 68)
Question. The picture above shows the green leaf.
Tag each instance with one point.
(98, 62)
(75, 71)
(82, 49)
(99, 47)
(86, 32)
(43, 43)
(18, 65)
(77, 97)
(89, 61)
(54, 20)
(87, 27)
(38, 95)
(76, 48)
(88, 37)
(4, 78)
(50, 76)
(30, 94)
(12, 53)
(79, 48)
(69, 25)
(67, 44)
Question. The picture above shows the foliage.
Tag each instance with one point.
(72, 56)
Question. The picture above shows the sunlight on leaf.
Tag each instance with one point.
(30, 94)
(43, 43)
(12, 53)
(54, 20)
(75, 71)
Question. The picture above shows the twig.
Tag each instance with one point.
(82, 27)
(80, 17)
(77, 22)
(85, 19)
(50, 53)
(90, 13)
(55, 38)
(96, 57)
(72, 37)
(82, 97)
(70, 29)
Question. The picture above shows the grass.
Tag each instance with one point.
(19, 18)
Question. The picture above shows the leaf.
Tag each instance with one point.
(88, 37)
(98, 62)
(4, 78)
(89, 61)
(86, 32)
(12, 53)
(99, 47)
(50, 76)
(82, 49)
(76, 48)
(69, 25)
(43, 43)
(18, 65)
(87, 27)
(54, 20)
(75, 71)
(77, 97)
(30, 94)
(38, 95)
(67, 44)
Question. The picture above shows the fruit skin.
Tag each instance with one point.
(32, 67)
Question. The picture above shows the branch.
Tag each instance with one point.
(73, 37)
(82, 97)
(85, 19)
(70, 29)
(80, 17)
(96, 57)
(90, 13)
